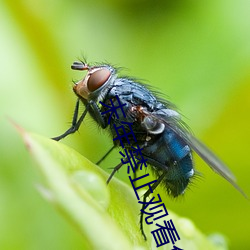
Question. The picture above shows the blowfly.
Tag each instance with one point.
(167, 143)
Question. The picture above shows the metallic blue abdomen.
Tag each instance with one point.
(170, 155)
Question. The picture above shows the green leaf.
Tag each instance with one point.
(106, 215)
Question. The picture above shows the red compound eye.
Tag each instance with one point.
(97, 79)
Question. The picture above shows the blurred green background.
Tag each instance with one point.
(196, 52)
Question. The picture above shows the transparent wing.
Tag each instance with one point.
(174, 123)
(212, 160)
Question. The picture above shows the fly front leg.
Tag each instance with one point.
(75, 123)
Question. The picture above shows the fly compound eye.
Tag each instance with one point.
(97, 79)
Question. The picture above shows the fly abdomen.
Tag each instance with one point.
(174, 160)
(180, 166)
(177, 147)
(178, 176)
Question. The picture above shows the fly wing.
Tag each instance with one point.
(212, 160)
(175, 124)
(208, 156)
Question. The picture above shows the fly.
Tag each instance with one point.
(167, 143)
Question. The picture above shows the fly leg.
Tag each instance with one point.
(114, 171)
(96, 112)
(145, 196)
(75, 124)
(105, 156)
(91, 107)
(116, 168)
